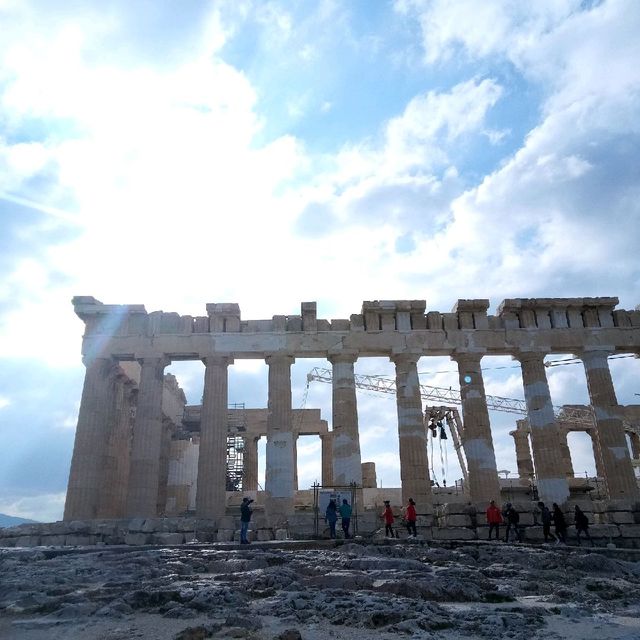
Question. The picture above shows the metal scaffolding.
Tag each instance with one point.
(236, 428)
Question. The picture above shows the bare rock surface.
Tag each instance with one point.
(289, 592)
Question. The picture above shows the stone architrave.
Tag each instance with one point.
(279, 474)
(616, 461)
(250, 464)
(347, 467)
(146, 447)
(545, 439)
(484, 484)
(212, 460)
(87, 463)
(414, 464)
(523, 452)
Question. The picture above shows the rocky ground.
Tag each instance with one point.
(317, 591)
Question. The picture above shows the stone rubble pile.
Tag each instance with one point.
(394, 589)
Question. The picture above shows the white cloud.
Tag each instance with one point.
(46, 507)
(4, 402)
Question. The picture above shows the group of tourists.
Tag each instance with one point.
(495, 517)
(409, 517)
(555, 516)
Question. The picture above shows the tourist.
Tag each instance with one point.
(560, 523)
(410, 517)
(387, 515)
(345, 514)
(512, 518)
(545, 514)
(331, 517)
(494, 518)
(582, 524)
(245, 518)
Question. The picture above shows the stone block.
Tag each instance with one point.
(27, 541)
(629, 530)
(190, 536)
(604, 531)
(281, 534)
(7, 542)
(620, 517)
(526, 519)
(167, 538)
(453, 533)
(185, 524)
(619, 505)
(80, 540)
(456, 520)
(226, 522)
(225, 535)
(135, 525)
(453, 508)
(79, 527)
(54, 541)
(533, 534)
(136, 538)
(263, 535)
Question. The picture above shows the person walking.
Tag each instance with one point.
(410, 517)
(560, 523)
(345, 514)
(245, 518)
(494, 518)
(582, 524)
(513, 519)
(331, 517)
(546, 517)
(387, 516)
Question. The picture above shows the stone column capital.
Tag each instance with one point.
(88, 360)
(219, 360)
(279, 358)
(593, 355)
(156, 360)
(529, 356)
(405, 357)
(472, 357)
(343, 357)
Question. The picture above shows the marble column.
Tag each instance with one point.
(634, 438)
(523, 453)
(347, 467)
(295, 461)
(88, 460)
(279, 455)
(117, 459)
(484, 484)
(412, 435)
(597, 454)
(142, 495)
(212, 461)
(565, 452)
(545, 440)
(163, 468)
(618, 472)
(327, 459)
(250, 464)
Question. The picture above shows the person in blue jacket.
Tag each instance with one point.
(245, 518)
(345, 514)
(331, 517)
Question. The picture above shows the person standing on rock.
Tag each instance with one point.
(494, 518)
(560, 523)
(410, 516)
(245, 518)
(513, 519)
(331, 517)
(582, 524)
(345, 514)
(545, 514)
(387, 516)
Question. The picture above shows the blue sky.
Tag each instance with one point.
(269, 153)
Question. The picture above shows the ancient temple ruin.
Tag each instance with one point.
(104, 482)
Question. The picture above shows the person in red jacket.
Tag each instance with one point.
(410, 517)
(387, 515)
(494, 518)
